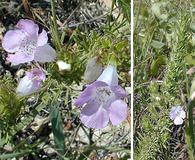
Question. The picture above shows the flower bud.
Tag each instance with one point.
(63, 66)
(93, 70)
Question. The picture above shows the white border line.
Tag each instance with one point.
(132, 65)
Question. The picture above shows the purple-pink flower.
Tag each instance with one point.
(177, 114)
(102, 102)
(31, 82)
(27, 44)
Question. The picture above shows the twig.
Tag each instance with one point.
(70, 16)
(74, 136)
(27, 8)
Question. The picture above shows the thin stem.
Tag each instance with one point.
(55, 28)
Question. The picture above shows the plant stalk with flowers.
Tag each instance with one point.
(161, 47)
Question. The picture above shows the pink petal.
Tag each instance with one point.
(18, 58)
(118, 112)
(94, 116)
(45, 54)
(119, 91)
(182, 114)
(84, 97)
(172, 113)
(42, 38)
(178, 120)
(36, 74)
(28, 26)
(109, 76)
(12, 40)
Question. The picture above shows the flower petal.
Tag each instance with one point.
(45, 54)
(19, 58)
(172, 113)
(12, 40)
(28, 26)
(87, 94)
(84, 97)
(177, 111)
(178, 120)
(94, 116)
(36, 74)
(27, 86)
(118, 112)
(109, 76)
(42, 38)
(119, 91)
(182, 114)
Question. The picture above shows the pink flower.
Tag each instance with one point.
(31, 82)
(177, 114)
(102, 102)
(27, 44)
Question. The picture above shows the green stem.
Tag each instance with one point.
(191, 125)
(54, 24)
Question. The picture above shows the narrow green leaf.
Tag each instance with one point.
(157, 44)
(125, 5)
(14, 155)
(57, 128)
(54, 27)
(190, 59)
(191, 127)
(156, 65)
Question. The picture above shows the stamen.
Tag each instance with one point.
(103, 95)
(28, 46)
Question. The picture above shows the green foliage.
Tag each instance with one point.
(125, 5)
(176, 66)
(190, 59)
(10, 107)
(83, 46)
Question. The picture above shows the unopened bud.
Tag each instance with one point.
(63, 66)
(93, 70)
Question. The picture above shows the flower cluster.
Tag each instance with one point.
(101, 101)
(25, 44)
